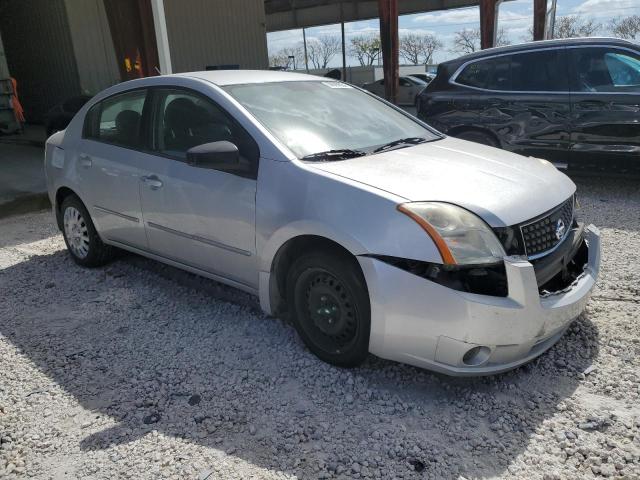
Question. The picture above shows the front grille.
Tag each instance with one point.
(545, 233)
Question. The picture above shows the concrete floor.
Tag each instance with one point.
(21, 167)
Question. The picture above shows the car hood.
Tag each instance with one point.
(501, 187)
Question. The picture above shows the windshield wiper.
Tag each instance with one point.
(400, 142)
(330, 155)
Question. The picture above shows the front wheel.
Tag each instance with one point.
(330, 305)
(80, 235)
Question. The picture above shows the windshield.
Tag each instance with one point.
(311, 117)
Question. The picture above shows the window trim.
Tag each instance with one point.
(452, 79)
(143, 116)
(155, 92)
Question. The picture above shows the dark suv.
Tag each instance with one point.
(574, 101)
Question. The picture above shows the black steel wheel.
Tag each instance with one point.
(330, 307)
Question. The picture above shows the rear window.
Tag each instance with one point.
(541, 71)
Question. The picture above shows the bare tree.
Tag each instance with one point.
(572, 26)
(628, 27)
(418, 49)
(320, 51)
(366, 48)
(468, 40)
(293, 57)
(278, 60)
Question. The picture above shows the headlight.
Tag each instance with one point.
(461, 237)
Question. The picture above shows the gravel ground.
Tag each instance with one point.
(140, 371)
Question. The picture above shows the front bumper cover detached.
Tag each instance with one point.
(428, 325)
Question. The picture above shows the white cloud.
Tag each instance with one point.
(461, 15)
(597, 7)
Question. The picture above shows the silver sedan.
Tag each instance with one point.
(409, 88)
(369, 230)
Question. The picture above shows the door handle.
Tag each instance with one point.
(85, 160)
(152, 181)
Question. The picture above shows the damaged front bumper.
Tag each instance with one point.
(422, 323)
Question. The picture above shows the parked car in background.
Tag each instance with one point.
(425, 77)
(408, 91)
(366, 228)
(574, 101)
(59, 116)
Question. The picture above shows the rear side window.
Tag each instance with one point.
(540, 71)
(601, 69)
(117, 120)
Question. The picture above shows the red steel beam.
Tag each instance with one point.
(388, 13)
(487, 23)
(539, 18)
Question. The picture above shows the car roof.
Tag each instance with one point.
(236, 77)
(521, 47)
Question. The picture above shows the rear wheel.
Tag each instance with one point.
(330, 305)
(80, 235)
(478, 137)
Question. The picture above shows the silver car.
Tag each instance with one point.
(369, 230)
(409, 88)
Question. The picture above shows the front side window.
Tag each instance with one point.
(186, 119)
(319, 116)
(117, 120)
(602, 69)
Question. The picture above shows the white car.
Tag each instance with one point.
(371, 231)
(408, 90)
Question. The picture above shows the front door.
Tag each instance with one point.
(111, 162)
(606, 107)
(201, 217)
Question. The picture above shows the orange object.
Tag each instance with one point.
(15, 102)
(441, 245)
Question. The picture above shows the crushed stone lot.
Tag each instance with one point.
(138, 370)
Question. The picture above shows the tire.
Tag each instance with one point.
(80, 236)
(329, 306)
(478, 137)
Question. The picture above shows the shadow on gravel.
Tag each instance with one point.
(158, 349)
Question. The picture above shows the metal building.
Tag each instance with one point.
(60, 48)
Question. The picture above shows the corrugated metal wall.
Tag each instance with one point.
(39, 52)
(92, 44)
(216, 32)
(4, 69)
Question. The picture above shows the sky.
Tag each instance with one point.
(515, 17)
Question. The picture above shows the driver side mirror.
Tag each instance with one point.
(214, 155)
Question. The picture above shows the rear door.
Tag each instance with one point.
(111, 160)
(523, 98)
(606, 107)
(540, 105)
